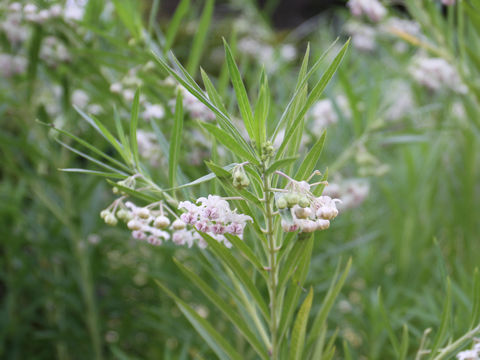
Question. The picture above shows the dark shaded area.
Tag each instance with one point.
(284, 14)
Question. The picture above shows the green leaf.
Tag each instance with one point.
(93, 172)
(202, 179)
(280, 164)
(444, 324)
(200, 36)
(230, 262)
(138, 194)
(129, 14)
(247, 252)
(215, 340)
(327, 304)
(294, 290)
(476, 299)
(175, 141)
(98, 162)
(312, 97)
(92, 148)
(173, 26)
(301, 82)
(240, 92)
(102, 130)
(213, 95)
(308, 164)
(133, 128)
(404, 344)
(300, 328)
(229, 142)
(121, 132)
(387, 324)
(189, 84)
(261, 111)
(227, 310)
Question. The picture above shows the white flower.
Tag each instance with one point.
(12, 65)
(373, 9)
(363, 36)
(155, 111)
(214, 217)
(323, 114)
(80, 98)
(74, 9)
(468, 355)
(116, 88)
(437, 74)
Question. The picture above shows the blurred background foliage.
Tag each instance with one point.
(403, 154)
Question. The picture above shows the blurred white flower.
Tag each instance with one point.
(373, 9)
(437, 74)
(363, 36)
(323, 114)
(80, 98)
(288, 52)
(448, 2)
(12, 65)
(153, 111)
(74, 9)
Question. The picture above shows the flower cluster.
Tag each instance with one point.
(214, 217)
(363, 36)
(373, 9)
(301, 210)
(472, 354)
(151, 223)
(436, 74)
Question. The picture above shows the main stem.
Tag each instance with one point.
(272, 264)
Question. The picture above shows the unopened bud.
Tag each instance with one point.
(281, 202)
(110, 219)
(104, 213)
(322, 224)
(303, 202)
(122, 214)
(134, 225)
(178, 225)
(161, 222)
(144, 213)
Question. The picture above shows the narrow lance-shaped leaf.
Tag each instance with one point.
(175, 141)
(308, 164)
(229, 142)
(300, 328)
(240, 92)
(174, 25)
(229, 261)
(227, 310)
(200, 36)
(312, 97)
(133, 128)
(327, 304)
(214, 339)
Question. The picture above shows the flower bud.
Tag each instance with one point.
(110, 219)
(115, 190)
(122, 214)
(104, 213)
(134, 225)
(292, 199)
(240, 179)
(308, 226)
(144, 213)
(322, 224)
(303, 202)
(302, 213)
(288, 227)
(178, 225)
(281, 202)
(161, 222)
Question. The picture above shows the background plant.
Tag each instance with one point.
(428, 191)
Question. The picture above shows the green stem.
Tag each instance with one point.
(272, 264)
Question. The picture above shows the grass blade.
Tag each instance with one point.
(300, 328)
(175, 141)
(200, 36)
(133, 128)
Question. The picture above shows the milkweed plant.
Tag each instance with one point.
(267, 198)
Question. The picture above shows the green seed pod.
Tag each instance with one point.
(281, 202)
